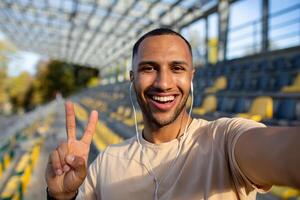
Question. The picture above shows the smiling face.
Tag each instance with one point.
(162, 75)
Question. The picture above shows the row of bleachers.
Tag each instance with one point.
(19, 156)
(262, 65)
(104, 135)
(282, 110)
(261, 81)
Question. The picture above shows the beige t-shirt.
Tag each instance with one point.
(204, 169)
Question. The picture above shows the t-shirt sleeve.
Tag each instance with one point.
(235, 128)
(87, 190)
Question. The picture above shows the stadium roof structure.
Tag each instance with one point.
(93, 33)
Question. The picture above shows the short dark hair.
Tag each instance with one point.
(156, 32)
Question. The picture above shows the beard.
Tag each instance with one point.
(157, 121)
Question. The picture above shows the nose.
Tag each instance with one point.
(164, 80)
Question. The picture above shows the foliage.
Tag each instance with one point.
(6, 52)
(17, 90)
(57, 77)
(52, 78)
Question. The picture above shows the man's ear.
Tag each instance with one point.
(131, 76)
(193, 72)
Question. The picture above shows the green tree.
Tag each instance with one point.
(6, 52)
(18, 89)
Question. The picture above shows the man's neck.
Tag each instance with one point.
(166, 133)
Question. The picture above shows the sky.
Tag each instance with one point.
(240, 12)
(24, 61)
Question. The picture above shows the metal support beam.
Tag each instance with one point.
(206, 40)
(265, 25)
(223, 10)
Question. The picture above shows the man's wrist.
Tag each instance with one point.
(62, 196)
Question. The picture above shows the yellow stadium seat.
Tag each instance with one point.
(130, 121)
(12, 190)
(24, 169)
(80, 112)
(6, 160)
(209, 105)
(120, 111)
(126, 114)
(1, 169)
(261, 108)
(295, 87)
(105, 136)
(219, 84)
(35, 153)
(285, 192)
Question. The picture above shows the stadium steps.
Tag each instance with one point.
(25, 148)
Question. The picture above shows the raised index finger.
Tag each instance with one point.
(90, 129)
(70, 120)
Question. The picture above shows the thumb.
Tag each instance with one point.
(78, 165)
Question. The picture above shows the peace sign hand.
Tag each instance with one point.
(66, 169)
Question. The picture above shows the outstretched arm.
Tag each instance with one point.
(270, 156)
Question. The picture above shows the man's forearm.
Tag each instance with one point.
(270, 156)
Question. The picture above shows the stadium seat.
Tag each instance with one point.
(121, 113)
(295, 87)
(249, 82)
(219, 84)
(280, 80)
(241, 105)
(285, 192)
(295, 61)
(298, 110)
(105, 136)
(130, 121)
(227, 105)
(286, 109)
(264, 82)
(234, 82)
(280, 64)
(261, 108)
(263, 65)
(197, 98)
(209, 105)
(12, 189)
(24, 170)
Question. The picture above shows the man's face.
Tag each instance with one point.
(162, 73)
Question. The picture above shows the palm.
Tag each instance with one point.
(79, 148)
(69, 181)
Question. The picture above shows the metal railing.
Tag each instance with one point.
(246, 39)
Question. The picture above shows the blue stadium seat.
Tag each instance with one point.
(298, 110)
(228, 70)
(286, 109)
(295, 61)
(226, 105)
(197, 100)
(263, 65)
(249, 83)
(282, 79)
(280, 64)
(241, 105)
(264, 82)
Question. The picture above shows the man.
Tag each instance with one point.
(175, 156)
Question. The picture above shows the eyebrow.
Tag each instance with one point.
(155, 63)
(148, 63)
(179, 63)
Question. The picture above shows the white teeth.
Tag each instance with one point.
(163, 99)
